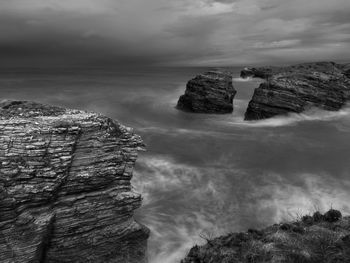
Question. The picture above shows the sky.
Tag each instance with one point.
(172, 32)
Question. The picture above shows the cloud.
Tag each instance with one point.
(278, 44)
(166, 32)
(203, 8)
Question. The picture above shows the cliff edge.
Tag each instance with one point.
(65, 192)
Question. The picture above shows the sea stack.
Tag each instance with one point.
(322, 85)
(210, 92)
(262, 73)
(65, 192)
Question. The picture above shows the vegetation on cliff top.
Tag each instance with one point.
(311, 239)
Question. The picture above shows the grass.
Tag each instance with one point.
(317, 238)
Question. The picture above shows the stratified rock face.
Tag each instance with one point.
(211, 92)
(65, 193)
(298, 88)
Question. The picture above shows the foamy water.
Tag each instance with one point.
(242, 79)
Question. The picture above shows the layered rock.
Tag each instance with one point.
(262, 73)
(211, 92)
(298, 88)
(317, 238)
(65, 192)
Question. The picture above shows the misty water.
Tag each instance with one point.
(205, 174)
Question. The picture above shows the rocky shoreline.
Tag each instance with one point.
(65, 187)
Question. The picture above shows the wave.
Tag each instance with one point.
(293, 119)
(175, 223)
(219, 126)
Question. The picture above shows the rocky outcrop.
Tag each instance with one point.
(316, 238)
(262, 73)
(211, 92)
(297, 88)
(65, 193)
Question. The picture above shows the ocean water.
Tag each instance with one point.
(205, 175)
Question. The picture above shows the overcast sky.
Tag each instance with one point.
(173, 32)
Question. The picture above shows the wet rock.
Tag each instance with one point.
(211, 92)
(65, 192)
(298, 88)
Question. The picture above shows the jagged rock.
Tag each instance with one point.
(211, 92)
(65, 192)
(298, 88)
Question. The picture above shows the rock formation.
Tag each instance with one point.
(65, 193)
(211, 92)
(317, 238)
(324, 85)
(262, 73)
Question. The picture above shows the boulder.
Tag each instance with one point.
(211, 92)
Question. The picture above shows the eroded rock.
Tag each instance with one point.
(65, 192)
(298, 88)
(211, 92)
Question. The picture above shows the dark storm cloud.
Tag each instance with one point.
(196, 32)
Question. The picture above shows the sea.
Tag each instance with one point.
(203, 175)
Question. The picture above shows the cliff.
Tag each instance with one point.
(324, 85)
(312, 239)
(211, 92)
(65, 192)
